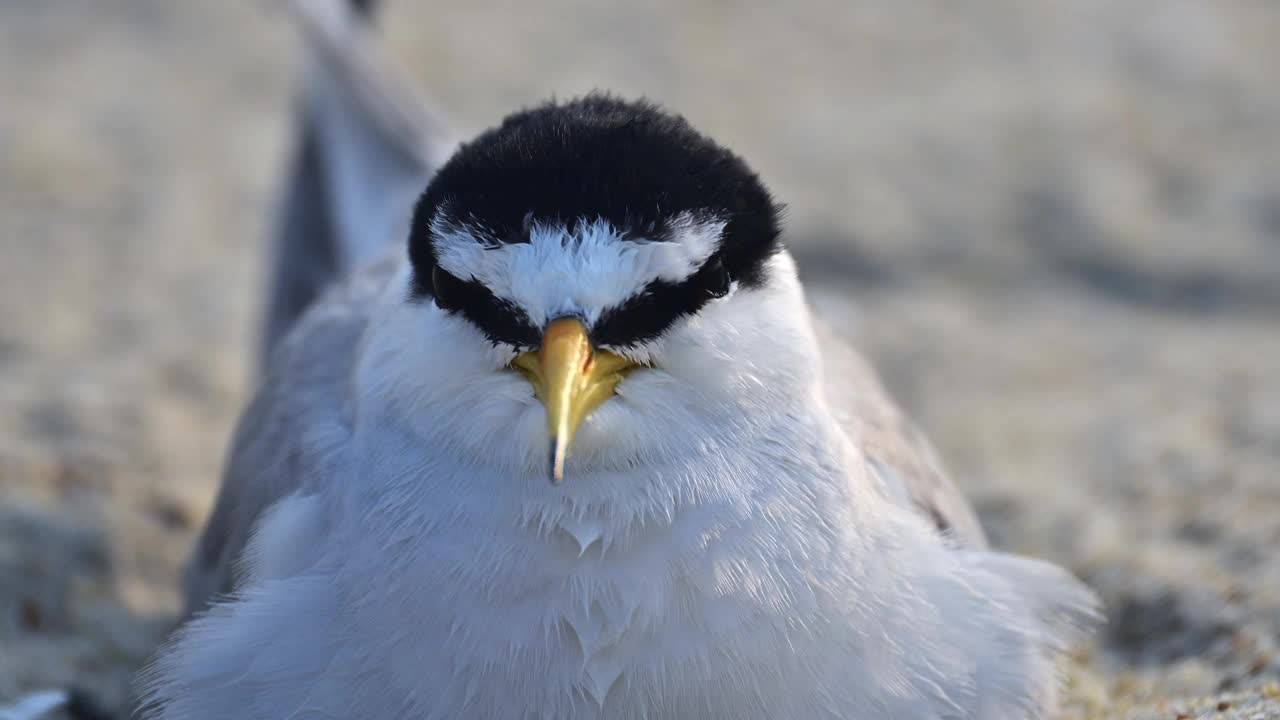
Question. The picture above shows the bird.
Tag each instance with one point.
(546, 428)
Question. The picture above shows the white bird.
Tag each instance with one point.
(740, 525)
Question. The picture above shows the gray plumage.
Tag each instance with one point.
(366, 144)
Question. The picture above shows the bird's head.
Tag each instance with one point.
(621, 265)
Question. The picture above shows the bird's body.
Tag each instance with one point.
(400, 580)
(747, 527)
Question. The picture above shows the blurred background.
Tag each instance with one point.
(1054, 225)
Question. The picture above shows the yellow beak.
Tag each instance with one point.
(571, 379)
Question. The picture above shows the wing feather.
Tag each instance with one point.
(367, 144)
(291, 436)
(898, 455)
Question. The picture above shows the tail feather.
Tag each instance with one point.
(367, 143)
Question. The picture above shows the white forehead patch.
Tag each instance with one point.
(583, 273)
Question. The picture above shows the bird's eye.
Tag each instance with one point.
(715, 279)
(447, 288)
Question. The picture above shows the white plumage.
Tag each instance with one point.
(584, 272)
(746, 530)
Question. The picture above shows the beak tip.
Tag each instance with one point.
(557, 462)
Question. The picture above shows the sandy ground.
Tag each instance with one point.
(1054, 225)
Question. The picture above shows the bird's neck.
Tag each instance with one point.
(609, 573)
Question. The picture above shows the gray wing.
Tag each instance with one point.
(899, 457)
(292, 432)
(367, 143)
(367, 146)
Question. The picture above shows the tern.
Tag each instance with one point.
(546, 429)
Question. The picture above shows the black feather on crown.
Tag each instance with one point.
(629, 163)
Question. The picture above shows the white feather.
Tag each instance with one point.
(35, 705)
(583, 272)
